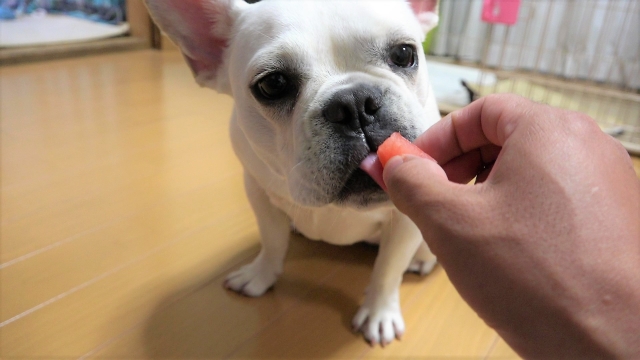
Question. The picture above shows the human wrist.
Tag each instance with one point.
(613, 317)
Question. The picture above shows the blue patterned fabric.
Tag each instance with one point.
(107, 11)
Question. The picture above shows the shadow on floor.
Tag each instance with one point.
(308, 312)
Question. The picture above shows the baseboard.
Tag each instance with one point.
(10, 56)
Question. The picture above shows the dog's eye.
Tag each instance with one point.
(403, 56)
(273, 86)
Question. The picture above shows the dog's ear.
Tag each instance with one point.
(201, 29)
(427, 13)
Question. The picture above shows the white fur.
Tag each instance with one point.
(286, 177)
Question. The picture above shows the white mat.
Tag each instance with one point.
(54, 29)
(446, 82)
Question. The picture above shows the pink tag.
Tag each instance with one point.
(500, 11)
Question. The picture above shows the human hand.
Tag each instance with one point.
(546, 246)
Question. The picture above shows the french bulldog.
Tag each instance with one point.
(318, 85)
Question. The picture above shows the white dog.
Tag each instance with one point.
(318, 86)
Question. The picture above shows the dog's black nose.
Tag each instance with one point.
(355, 106)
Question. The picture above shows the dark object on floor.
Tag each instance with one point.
(473, 95)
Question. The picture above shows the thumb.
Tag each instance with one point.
(419, 188)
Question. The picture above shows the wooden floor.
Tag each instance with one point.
(123, 209)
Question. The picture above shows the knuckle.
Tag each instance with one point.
(579, 124)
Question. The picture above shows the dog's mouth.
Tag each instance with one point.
(372, 166)
(364, 186)
(361, 189)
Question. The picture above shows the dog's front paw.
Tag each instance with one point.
(422, 267)
(423, 261)
(379, 323)
(253, 279)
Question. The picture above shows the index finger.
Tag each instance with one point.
(487, 121)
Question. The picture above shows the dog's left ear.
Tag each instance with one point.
(427, 13)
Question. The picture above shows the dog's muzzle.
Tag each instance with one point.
(357, 114)
(357, 110)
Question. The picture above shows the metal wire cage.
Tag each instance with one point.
(581, 55)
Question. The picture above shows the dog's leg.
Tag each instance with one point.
(257, 277)
(379, 317)
(423, 261)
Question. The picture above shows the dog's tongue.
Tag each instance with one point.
(372, 166)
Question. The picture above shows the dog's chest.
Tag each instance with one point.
(337, 225)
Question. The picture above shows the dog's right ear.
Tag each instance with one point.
(427, 13)
(201, 28)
